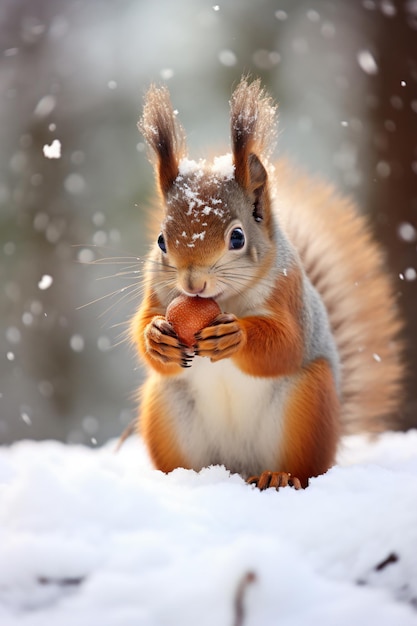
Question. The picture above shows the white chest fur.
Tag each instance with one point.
(224, 416)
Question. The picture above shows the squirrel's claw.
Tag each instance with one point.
(274, 480)
(221, 339)
(164, 345)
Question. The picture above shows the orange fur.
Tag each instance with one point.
(311, 424)
(274, 343)
(346, 266)
(158, 432)
(323, 240)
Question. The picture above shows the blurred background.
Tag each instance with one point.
(345, 75)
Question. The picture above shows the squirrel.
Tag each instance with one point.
(306, 347)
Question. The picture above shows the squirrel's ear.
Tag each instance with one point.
(257, 185)
(253, 129)
(163, 134)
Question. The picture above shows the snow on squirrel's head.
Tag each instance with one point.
(204, 200)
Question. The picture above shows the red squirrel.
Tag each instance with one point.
(306, 345)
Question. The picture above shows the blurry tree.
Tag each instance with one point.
(392, 192)
(344, 74)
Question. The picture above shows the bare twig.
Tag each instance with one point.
(128, 431)
(69, 581)
(246, 580)
(391, 558)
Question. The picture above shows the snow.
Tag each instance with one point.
(93, 537)
(222, 167)
(167, 73)
(45, 106)
(407, 232)
(194, 179)
(410, 274)
(227, 58)
(45, 282)
(53, 151)
(367, 62)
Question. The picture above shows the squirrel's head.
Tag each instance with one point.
(217, 230)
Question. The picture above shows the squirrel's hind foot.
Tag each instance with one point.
(274, 480)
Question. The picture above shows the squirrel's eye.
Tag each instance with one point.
(161, 243)
(237, 239)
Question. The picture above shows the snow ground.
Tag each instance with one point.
(93, 538)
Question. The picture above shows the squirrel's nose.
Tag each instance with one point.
(192, 280)
(195, 289)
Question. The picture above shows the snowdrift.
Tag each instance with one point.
(94, 538)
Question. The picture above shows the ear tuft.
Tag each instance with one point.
(253, 128)
(163, 134)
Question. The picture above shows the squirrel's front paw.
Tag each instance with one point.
(163, 344)
(221, 339)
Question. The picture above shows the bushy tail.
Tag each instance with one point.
(346, 266)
